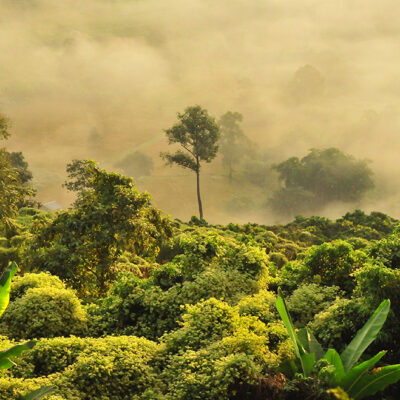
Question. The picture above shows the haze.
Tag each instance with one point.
(101, 78)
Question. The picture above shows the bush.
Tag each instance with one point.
(376, 283)
(13, 389)
(216, 351)
(337, 325)
(387, 250)
(111, 368)
(209, 265)
(44, 312)
(310, 299)
(278, 259)
(330, 264)
(21, 284)
(208, 374)
(260, 305)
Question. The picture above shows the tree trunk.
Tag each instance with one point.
(198, 191)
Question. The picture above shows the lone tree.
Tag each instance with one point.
(197, 133)
(234, 143)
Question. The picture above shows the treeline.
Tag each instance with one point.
(292, 187)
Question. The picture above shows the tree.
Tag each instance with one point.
(17, 160)
(321, 177)
(12, 188)
(234, 143)
(110, 216)
(198, 134)
(136, 164)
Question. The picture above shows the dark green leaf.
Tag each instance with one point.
(371, 384)
(365, 336)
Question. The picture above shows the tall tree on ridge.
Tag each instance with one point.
(197, 133)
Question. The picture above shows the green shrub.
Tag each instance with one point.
(51, 356)
(208, 374)
(374, 284)
(260, 305)
(310, 299)
(44, 312)
(330, 264)
(209, 265)
(13, 389)
(337, 325)
(334, 262)
(214, 321)
(278, 259)
(111, 368)
(21, 284)
(216, 351)
(387, 250)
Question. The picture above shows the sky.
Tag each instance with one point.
(102, 78)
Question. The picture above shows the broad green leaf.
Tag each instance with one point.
(310, 343)
(283, 312)
(315, 346)
(365, 336)
(307, 363)
(302, 337)
(39, 393)
(352, 378)
(370, 384)
(333, 358)
(5, 284)
(6, 356)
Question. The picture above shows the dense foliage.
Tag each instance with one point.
(84, 245)
(127, 304)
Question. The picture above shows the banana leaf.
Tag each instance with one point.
(5, 284)
(365, 336)
(371, 384)
(6, 356)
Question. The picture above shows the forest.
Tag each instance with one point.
(199, 200)
(112, 299)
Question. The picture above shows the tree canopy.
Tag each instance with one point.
(12, 188)
(321, 177)
(110, 216)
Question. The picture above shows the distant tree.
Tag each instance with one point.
(234, 143)
(110, 216)
(321, 177)
(306, 85)
(198, 134)
(136, 164)
(18, 162)
(4, 126)
(13, 192)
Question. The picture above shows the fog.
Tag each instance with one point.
(102, 78)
